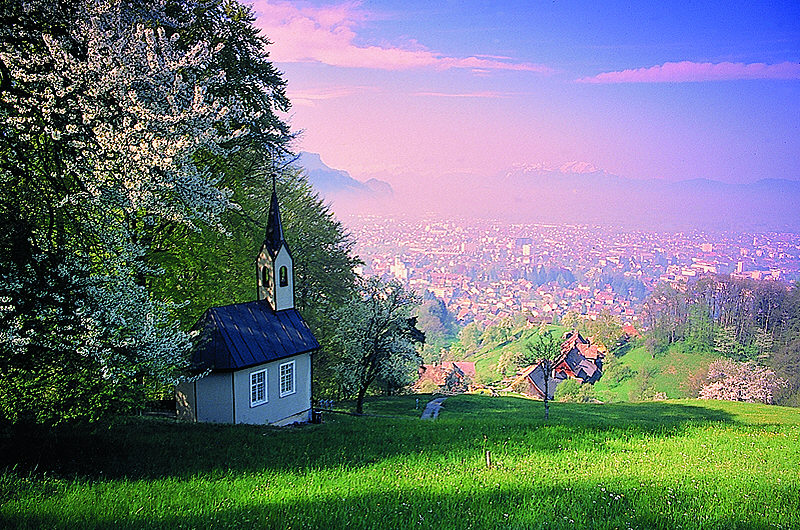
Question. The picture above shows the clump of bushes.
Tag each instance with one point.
(573, 391)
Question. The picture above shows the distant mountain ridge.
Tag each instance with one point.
(331, 182)
(569, 193)
(574, 167)
(594, 195)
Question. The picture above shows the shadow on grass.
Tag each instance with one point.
(655, 415)
(143, 448)
(483, 503)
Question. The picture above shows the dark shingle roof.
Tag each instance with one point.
(274, 236)
(573, 359)
(536, 377)
(587, 370)
(241, 335)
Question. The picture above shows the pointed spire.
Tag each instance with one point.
(274, 237)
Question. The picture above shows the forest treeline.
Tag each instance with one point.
(741, 319)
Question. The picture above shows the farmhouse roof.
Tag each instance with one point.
(536, 377)
(521, 377)
(242, 335)
(629, 330)
(590, 351)
(433, 373)
(571, 340)
(580, 367)
(467, 368)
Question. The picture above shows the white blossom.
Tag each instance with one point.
(733, 381)
(135, 109)
(127, 106)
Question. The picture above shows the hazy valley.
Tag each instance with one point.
(573, 193)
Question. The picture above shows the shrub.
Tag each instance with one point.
(567, 391)
(427, 387)
(574, 391)
(616, 373)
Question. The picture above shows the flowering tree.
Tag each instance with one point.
(376, 338)
(733, 381)
(116, 116)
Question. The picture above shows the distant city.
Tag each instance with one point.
(487, 270)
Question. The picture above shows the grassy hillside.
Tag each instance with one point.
(632, 376)
(678, 464)
(486, 357)
(675, 373)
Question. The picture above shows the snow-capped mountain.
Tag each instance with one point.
(567, 168)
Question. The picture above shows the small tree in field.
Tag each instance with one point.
(376, 338)
(545, 350)
(511, 361)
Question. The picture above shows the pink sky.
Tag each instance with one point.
(327, 35)
(404, 90)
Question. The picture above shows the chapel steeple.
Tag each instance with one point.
(275, 274)
(274, 237)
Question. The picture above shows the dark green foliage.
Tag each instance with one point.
(726, 345)
(45, 377)
(615, 372)
(700, 327)
(573, 391)
(785, 359)
(250, 77)
(209, 268)
(786, 363)
(567, 391)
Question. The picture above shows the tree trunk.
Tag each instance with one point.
(547, 392)
(360, 399)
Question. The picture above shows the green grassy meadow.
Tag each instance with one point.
(669, 373)
(674, 464)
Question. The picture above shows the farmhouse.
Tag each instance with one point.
(579, 359)
(256, 356)
(449, 375)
